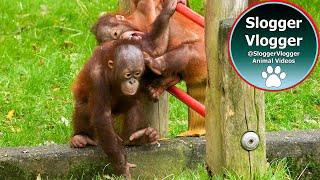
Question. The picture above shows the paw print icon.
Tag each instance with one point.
(273, 77)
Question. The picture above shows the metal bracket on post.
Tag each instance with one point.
(250, 141)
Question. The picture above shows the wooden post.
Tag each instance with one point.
(156, 113)
(232, 107)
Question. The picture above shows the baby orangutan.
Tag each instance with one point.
(108, 86)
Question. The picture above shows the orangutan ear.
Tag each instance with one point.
(110, 64)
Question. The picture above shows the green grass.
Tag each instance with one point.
(276, 171)
(44, 44)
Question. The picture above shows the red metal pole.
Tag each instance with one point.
(195, 17)
(188, 100)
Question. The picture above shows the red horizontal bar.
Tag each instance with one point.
(190, 14)
(188, 100)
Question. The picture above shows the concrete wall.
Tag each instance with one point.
(59, 161)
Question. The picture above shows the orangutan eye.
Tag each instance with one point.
(137, 74)
(127, 75)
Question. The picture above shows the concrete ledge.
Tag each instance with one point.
(60, 161)
(294, 144)
(302, 149)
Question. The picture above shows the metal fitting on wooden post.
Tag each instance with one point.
(250, 141)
